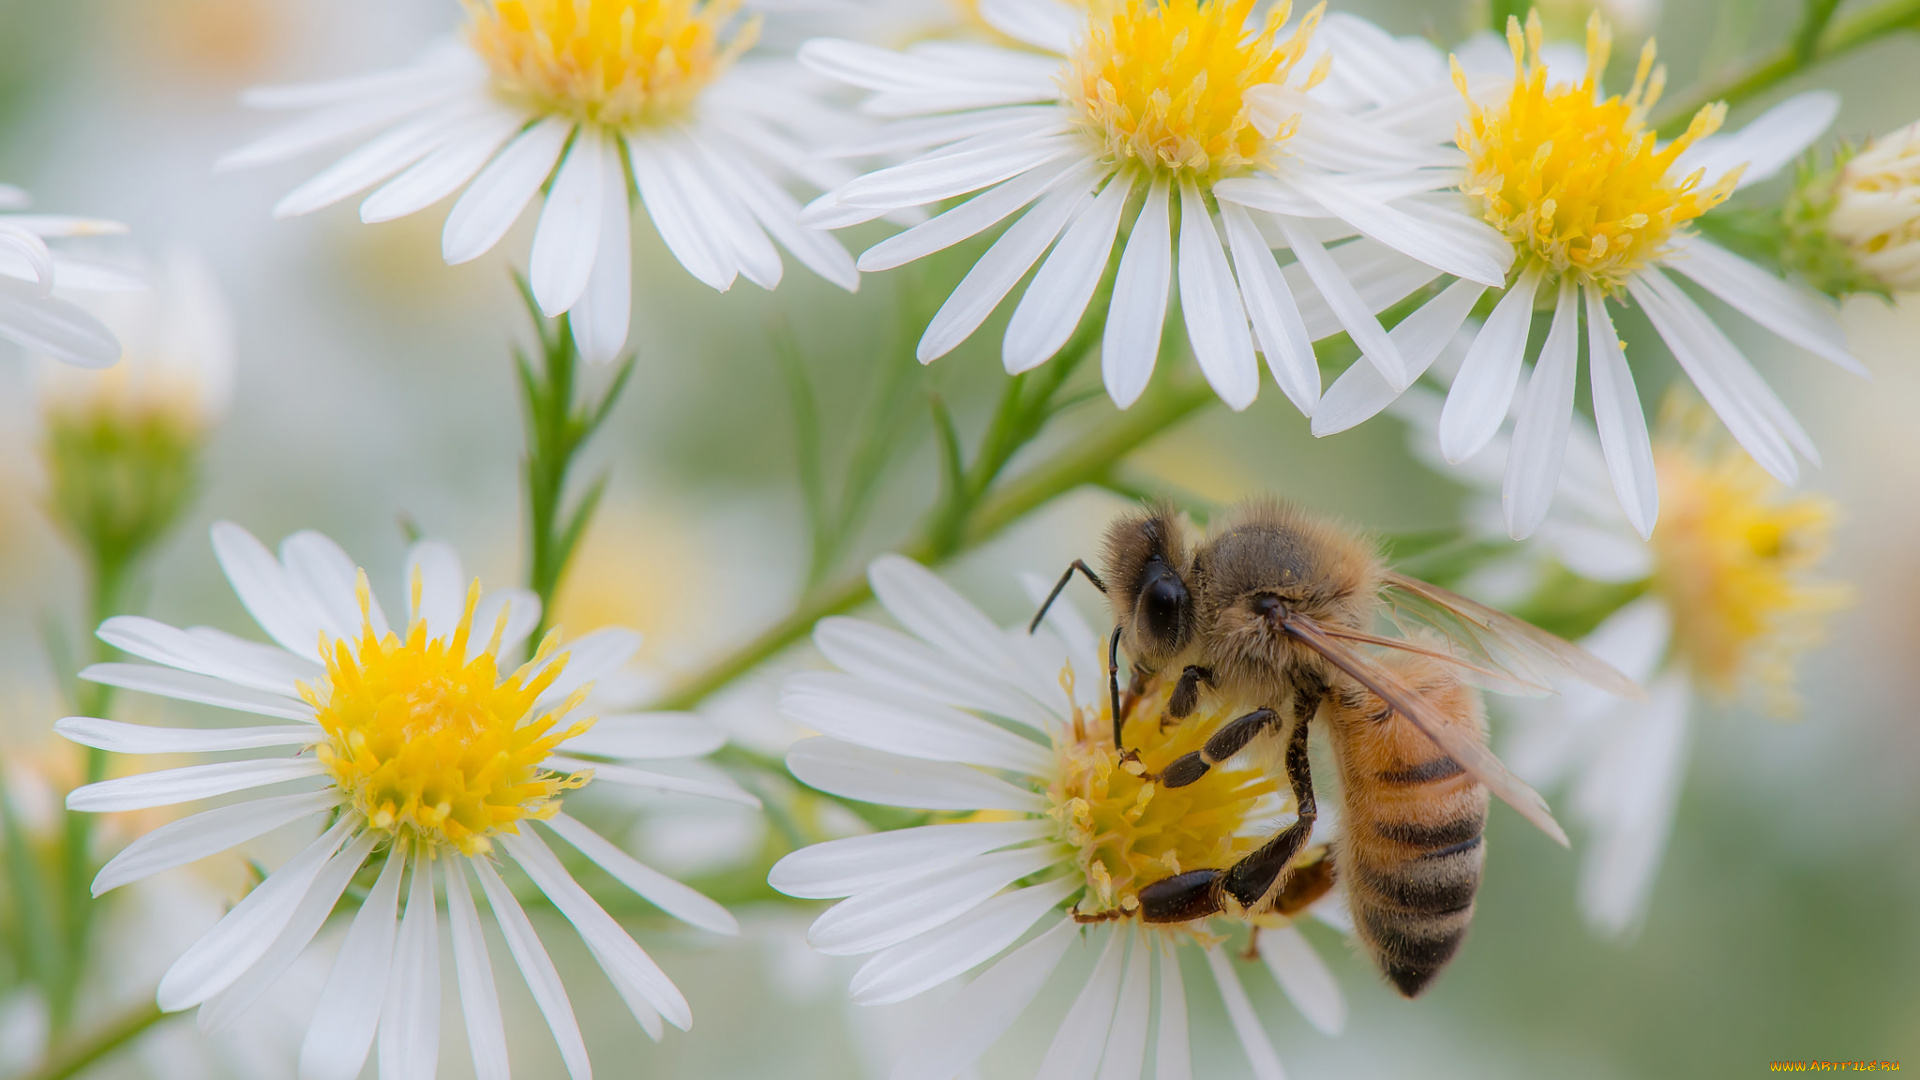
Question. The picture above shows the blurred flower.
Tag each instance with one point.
(30, 315)
(1595, 207)
(1722, 600)
(570, 98)
(421, 749)
(1119, 116)
(1566, 17)
(1067, 823)
(1876, 209)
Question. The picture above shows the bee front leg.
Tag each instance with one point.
(1186, 693)
(1252, 878)
(1228, 741)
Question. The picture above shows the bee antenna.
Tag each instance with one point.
(1047, 604)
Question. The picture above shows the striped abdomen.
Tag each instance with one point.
(1410, 850)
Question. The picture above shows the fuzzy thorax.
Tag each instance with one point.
(429, 743)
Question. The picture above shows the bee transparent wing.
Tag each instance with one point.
(1454, 741)
(1514, 647)
(1479, 671)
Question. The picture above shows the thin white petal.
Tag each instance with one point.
(929, 959)
(727, 224)
(885, 657)
(1044, 24)
(1058, 294)
(325, 575)
(1477, 254)
(337, 124)
(1798, 315)
(502, 190)
(1001, 268)
(265, 590)
(847, 709)
(1126, 1050)
(856, 863)
(372, 163)
(473, 971)
(119, 738)
(1138, 311)
(1246, 1023)
(410, 1019)
(870, 776)
(1074, 1053)
(1271, 307)
(169, 786)
(348, 1013)
(1644, 760)
(680, 901)
(1622, 424)
(977, 1016)
(1347, 306)
(653, 781)
(567, 238)
(604, 314)
(537, 969)
(210, 652)
(937, 177)
(444, 171)
(892, 913)
(50, 326)
(941, 617)
(590, 657)
(1766, 144)
(1540, 434)
(779, 214)
(1304, 976)
(969, 218)
(209, 832)
(1210, 299)
(1172, 1055)
(443, 591)
(1483, 391)
(673, 218)
(648, 735)
(523, 612)
(206, 690)
(1361, 392)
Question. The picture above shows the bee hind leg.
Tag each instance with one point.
(1182, 897)
(1252, 878)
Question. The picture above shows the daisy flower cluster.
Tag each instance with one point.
(1040, 839)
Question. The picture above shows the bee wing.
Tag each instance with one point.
(1483, 673)
(1456, 742)
(1514, 646)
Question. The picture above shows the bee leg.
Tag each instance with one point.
(1225, 743)
(1305, 885)
(1252, 878)
(1062, 584)
(1186, 692)
(1119, 715)
(1182, 897)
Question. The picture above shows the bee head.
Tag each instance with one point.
(1146, 570)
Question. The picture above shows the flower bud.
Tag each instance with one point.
(1875, 209)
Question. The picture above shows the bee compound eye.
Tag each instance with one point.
(1163, 605)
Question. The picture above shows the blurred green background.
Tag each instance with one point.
(374, 384)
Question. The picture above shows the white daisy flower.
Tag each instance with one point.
(1597, 209)
(1726, 603)
(571, 98)
(1035, 816)
(1150, 129)
(31, 315)
(415, 754)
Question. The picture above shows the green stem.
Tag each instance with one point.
(1086, 461)
(73, 1061)
(1840, 37)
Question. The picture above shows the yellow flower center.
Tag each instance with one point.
(1165, 84)
(1733, 552)
(614, 62)
(1576, 181)
(1132, 832)
(430, 743)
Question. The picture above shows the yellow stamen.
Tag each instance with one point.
(1165, 84)
(1734, 551)
(615, 62)
(1576, 181)
(435, 747)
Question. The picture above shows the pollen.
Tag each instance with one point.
(1165, 84)
(427, 741)
(1131, 832)
(623, 63)
(1579, 182)
(1735, 555)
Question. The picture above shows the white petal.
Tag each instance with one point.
(674, 218)
(1798, 315)
(1304, 976)
(185, 686)
(1058, 294)
(1246, 1023)
(1622, 425)
(888, 658)
(1210, 300)
(1172, 1055)
(648, 735)
(122, 738)
(1044, 24)
(222, 1009)
(248, 929)
(653, 781)
(52, 327)
(410, 1019)
(680, 901)
(929, 959)
(937, 177)
(969, 218)
(847, 709)
(977, 1016)
(262, 585)
(537, 969)
(640, 981)
(870, 776)
(376, 161)
(443, 592)
(1765, 144)
(1126, 1050)
(323, 573)
(1485, 262)
(1645, 760)
(567, 239)
(211, 652)
(1361, 392)
(209, 832)
(856, 863)
(1001, 268)
(604, 314)
(1540, 434)
(726, 223)
(779, 214)
(1483, 391)
(444, 171)
(344, 1021)
(336, 124)
(502, 190)
(523, 612)
(473, 971)
(892, 913)
(941, 617)
(169, 786)
(1074, 1053)
(1346, 304)
(590, 657)
(1138, 311)
(1271, 307)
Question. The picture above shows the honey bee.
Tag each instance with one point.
(1274, 611)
